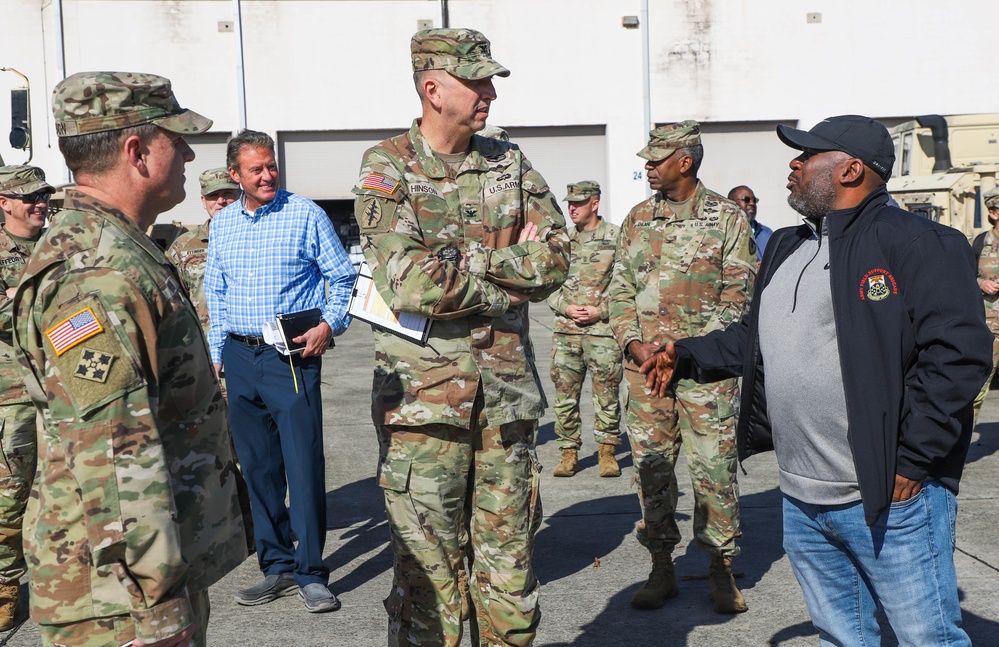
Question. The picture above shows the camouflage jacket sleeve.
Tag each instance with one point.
(558, 303)
(738, 272)
(537, 268)
(621, 293)
(407, 274)
(107, 436)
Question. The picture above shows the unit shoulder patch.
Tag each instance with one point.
(373, 214)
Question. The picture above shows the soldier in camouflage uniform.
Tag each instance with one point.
(583, 339)
(24, 195)
(461, 229)
(685, 266)
(986, 248)
(134, 511)
(190, 251)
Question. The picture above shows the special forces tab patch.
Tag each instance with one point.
(78, 327)
(874, 285)
(94, 365)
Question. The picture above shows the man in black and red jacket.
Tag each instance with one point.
(861, 354)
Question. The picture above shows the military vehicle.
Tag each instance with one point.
(943, 165)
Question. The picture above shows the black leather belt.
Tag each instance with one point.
(249, 340)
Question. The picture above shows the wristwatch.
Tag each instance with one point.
(451, 254)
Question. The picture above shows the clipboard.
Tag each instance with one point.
(367, 305)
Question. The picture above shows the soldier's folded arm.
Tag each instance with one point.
(737, 276)
(101, 400)
(537, 268)
(408, 275)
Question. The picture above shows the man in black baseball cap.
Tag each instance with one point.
(861, 137)
(870, 324)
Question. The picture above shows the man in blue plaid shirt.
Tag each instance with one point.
(270, 253)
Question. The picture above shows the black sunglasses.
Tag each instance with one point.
(30, 198)
(749, 200)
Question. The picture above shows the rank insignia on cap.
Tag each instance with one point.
(94, 365)
(78, 327)
(378, 182)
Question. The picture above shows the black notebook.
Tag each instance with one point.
(295, 325)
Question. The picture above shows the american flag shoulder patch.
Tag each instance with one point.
(380, 183)
(76, 328)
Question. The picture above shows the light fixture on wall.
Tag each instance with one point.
(629, 22)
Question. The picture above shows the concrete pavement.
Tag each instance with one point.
(586, 518)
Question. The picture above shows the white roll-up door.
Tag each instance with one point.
(324, 165)
(209, 152)
(564, 154)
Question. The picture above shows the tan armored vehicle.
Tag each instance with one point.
(943, 165)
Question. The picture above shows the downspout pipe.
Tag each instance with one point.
(240, 72)
(941, 147)
(646, 77)
(60, 62)
(445, 16)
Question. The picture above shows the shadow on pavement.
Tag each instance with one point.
(359, 508)
(984, 442)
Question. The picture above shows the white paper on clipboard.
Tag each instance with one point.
(368, 305)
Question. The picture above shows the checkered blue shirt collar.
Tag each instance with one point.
(277, 202)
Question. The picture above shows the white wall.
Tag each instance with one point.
(319, 65)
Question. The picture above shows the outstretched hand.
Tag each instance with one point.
(659, 369)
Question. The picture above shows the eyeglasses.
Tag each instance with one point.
(30, 198)
(749, 200)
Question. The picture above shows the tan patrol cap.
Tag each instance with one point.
(23, 180)
(216, 179)
(463, 53)
(96, 102)
(581, 191)
(666, 139)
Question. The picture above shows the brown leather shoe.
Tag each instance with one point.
(607, 461)
(567, 466)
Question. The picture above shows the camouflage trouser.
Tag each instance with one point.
(17, 470)
(572, 357)
(452, 493)
(980, 398)
(702, 418)
(119, 630)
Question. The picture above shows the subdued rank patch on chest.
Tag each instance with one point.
(94, 365)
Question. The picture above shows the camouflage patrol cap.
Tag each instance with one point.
(666, 139)
(581, 191)
(22, 180)
(463, 53)
(992, 198)
(96, 102)
(216, 179)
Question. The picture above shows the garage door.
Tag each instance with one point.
(749, 153)
(209, 152)
(324, 165)
(564, 154)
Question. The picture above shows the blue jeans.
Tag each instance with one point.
(904, 563)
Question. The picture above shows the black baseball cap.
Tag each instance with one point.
(861, 137)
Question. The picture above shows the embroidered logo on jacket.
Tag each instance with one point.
(875, 285)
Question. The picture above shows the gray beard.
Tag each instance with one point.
(815, 199)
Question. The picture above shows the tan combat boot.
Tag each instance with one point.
(567, 466)
(466, 595)
(661, 585)
(726, 597)
(10, 604)
(607, 461)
